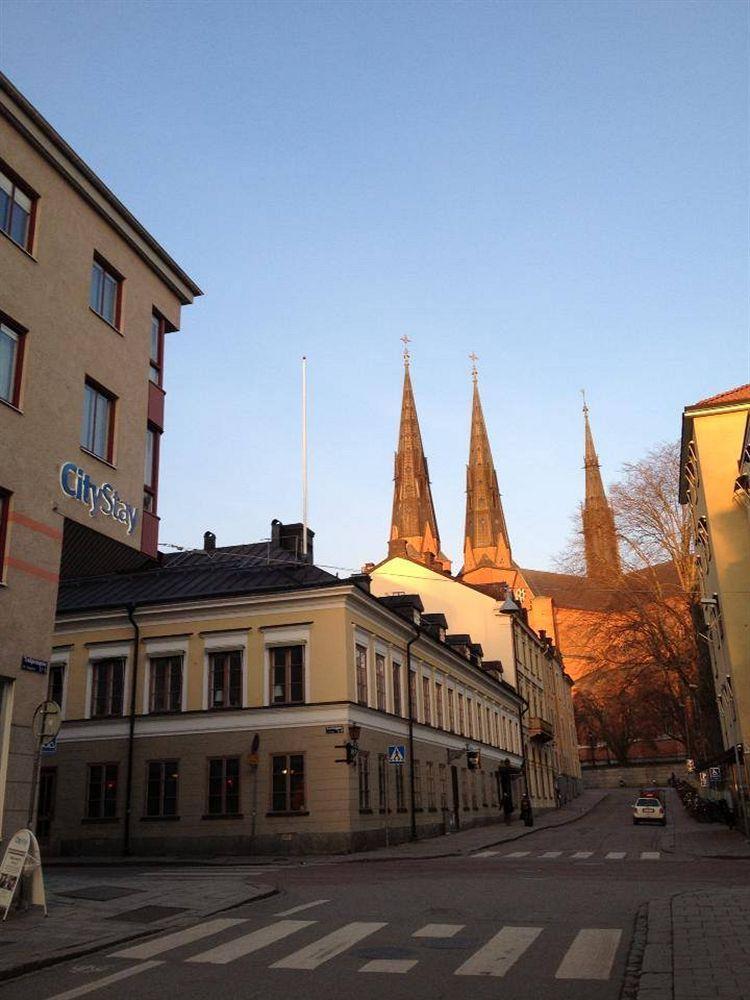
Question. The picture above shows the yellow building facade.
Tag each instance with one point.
(715, 483)
(204, 723)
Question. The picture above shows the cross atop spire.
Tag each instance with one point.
(585, 407)
(414, 530)
(486, 543)
(599, 535)
(405, 340)
(474, 373)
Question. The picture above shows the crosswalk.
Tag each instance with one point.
(569, 855)
(585, 954)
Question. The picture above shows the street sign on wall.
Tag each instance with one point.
(396, 754)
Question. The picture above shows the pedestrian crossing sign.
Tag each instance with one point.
(396, 755)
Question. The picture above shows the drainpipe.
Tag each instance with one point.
(522, 710)
(409, 644)
(131, 731)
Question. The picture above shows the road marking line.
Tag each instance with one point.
(517, 854)
(485, 854)
(399, 965)
(438, 930)
(99, 984)
(304, 906)
(590, 956)
(650, 855)
(176, 940)
(249, 943)
(615, 855)
(582, 854)
(328, 947)
(551, 854)
(500, 952)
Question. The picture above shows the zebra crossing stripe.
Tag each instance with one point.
(582, 854)
(301, 907)
(397, 965)
(551, 854)
(251, 942)
(99, 984)
(615, 856)
(170, 941)
(328, 947)
(517, 854)
(438, 930)
(650, 855)
(590, 956)
(500, 952)
(485, 854)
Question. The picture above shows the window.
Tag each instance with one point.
(417, 785)
(107, 679)
(4, 511)
(399, 776)
(97, 429)
(484, 788)
(224, 786)
(443, 774)
(380, 681)
(17, 210)
(361, 662)
(470, 718)
(363, 772)
(56, 685)
(461, 730)
(473, 777)
(396, 674)
(430, 775)
(161, 788)
(464, 788)
(101, 794)
(11, 362)
(427, 701)
(439, 706)
(156, 353)
(287, 675)
(151, 469)
(225, 683)
(451, 710)
(165, 689)
(413, 693)
(288, 783)
(382, 782)
(106, 285)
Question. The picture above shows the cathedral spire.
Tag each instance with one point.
(486, 542)
(599, 536)
(414, 530)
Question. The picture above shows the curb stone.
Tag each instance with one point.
(90, 949)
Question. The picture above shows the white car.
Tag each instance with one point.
(649, 810)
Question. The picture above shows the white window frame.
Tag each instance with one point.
(363, 638)
(224, 642)
(61, 658)
(165, 647)
(285, 635)
(108, 651)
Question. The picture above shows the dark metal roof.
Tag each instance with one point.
(230, 570)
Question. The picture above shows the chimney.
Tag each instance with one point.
(209, 541)
(361, 580)
(289, 538)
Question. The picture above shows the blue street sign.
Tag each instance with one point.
(50, 746)
(396, 755)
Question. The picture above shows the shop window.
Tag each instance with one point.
(288, 783)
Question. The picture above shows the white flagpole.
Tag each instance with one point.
(304, 457)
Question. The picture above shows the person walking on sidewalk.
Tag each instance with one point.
(526, 812)
(507, 807)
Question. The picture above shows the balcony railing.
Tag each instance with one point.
(540, 729)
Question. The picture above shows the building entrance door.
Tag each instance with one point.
(456, 810)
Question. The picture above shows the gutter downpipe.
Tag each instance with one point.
(131, 731)
(413, 817)
(522, 710)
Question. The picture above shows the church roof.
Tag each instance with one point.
(582, 593)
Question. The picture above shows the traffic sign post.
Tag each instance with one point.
(396, 754)
(45, 725)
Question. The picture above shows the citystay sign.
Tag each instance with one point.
(77, 484)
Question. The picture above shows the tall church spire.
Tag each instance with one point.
(414, 530)
(486, 542)
(599, 536)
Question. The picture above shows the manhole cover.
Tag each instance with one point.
(100, 892)
(148, 914)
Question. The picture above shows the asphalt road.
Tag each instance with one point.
(549, 915)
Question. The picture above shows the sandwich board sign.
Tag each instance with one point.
(21, 855)
(396, 754)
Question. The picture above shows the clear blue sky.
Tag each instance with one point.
(559, 187)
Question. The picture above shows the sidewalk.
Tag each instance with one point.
(89, 910)
(480, 838)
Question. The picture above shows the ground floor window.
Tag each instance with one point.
(430, 778)
(382, 782)
(161, 788)
(363, 770)
(224, 786)
(400, 807)
(101, 794)
(443, 774)
(474, 804)
(288, 783)
(46, 806)
(464, 788)
(417, 785)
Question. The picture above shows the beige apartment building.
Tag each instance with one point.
(208, 705)
(86, 298)
(715, 483)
